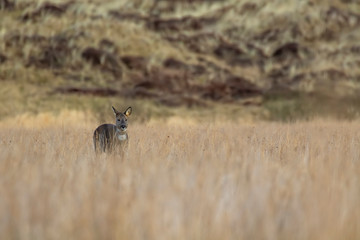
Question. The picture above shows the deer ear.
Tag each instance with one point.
(128, 111)
(115, 111)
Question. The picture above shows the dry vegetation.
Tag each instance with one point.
(184, 181)
(201, 65)
(275, 56)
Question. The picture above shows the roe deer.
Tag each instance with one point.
(109, 137)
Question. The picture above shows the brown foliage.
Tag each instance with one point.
(6, 4)
(218, 51)
(88, 91)
(137, 63)
(3, 58)
(47, 8)
(106, 60)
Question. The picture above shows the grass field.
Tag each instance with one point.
(182, 181)
(203, 78)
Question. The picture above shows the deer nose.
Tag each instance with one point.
(123, 127)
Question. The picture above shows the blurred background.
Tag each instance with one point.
(201, 59)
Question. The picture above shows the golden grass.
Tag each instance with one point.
(182, 181)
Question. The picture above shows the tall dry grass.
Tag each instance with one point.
(202, 181)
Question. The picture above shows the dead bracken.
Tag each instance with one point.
(170, 51)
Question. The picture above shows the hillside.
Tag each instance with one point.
(281, 58)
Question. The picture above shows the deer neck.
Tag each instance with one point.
(121, 135)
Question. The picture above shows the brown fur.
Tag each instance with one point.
(110, 137)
